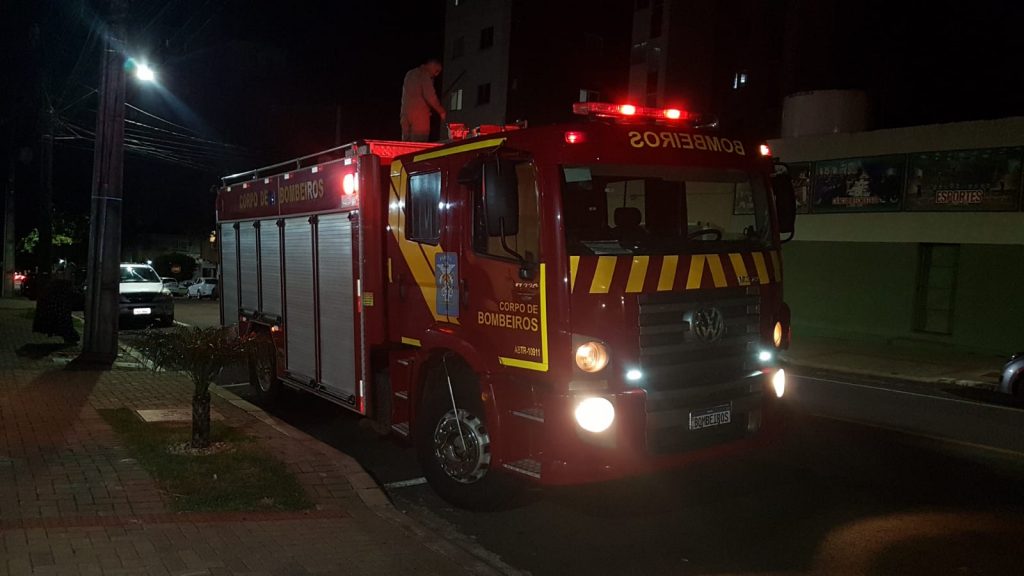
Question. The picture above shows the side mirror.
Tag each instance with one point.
(785, 202)
(501, 198)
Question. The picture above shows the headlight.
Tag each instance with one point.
(595, 414)
(779, 382)
(591, 356)
(777, 335)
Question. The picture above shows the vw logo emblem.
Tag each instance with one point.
(708, 324)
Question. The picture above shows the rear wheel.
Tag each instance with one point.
(263, 372)
(453, 443)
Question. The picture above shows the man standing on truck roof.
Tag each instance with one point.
(418, 97)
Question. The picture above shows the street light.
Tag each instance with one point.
(145, 73)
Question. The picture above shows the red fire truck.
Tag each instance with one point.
(558, 304)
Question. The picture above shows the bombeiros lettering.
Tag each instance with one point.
(301, 192)
(686, 141)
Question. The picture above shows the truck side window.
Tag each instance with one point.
(527, 241)
(423, 214)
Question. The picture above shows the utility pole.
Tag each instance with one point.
(44, 248)
(8, 285)
(103, 277)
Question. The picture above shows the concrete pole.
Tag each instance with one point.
(103, 276)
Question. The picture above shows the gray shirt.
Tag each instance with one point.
(418, 95)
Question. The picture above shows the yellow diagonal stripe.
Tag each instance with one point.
(776, 266)
(603, 275)
(668, 273)
(637, 273)
(419, 261)
(696, 272)
(574, 265)
(762, 268)
(456, 149)
(740, 268)
(717, 272)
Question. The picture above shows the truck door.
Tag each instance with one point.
(501, 269)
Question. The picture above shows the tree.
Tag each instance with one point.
(201, 353)
(164, 265)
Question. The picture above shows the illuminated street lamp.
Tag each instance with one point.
(144, 73)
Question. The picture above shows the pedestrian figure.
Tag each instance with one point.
(53, 309)
(418, 98)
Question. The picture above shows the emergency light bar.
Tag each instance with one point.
(606, 110)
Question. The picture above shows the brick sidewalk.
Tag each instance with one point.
(73, 501)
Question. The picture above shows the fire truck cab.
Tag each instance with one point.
(558, 304)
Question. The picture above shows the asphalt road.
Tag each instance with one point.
(831, 496)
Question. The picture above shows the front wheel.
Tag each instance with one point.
(454, 445)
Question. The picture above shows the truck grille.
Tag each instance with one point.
(139, 297)
(698, 349)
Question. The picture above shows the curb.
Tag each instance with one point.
(938, 381)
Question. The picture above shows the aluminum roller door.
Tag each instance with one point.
(248, 267)
(270, 266)
(300, 330)
(228, 288)
(337, 318)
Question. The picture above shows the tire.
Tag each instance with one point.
(461, 476)
(263, 373)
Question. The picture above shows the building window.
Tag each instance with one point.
(456, 103)
(458, 47)
(483, 94)
(424, 209)
(936, 288)
(739, 80)
(657, 18)
(652, 81)
(487, 38)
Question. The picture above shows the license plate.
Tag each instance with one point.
(142, 311)
(717, 416)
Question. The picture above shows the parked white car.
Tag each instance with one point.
(172, 286)
(203, 288)
(143, 295)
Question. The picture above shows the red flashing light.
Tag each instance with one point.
(765, 150)
(603, 109)
(574, 137)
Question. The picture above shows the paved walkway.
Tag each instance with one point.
(73, 501)
(898, 361)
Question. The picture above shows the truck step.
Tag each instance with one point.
(535, 414)
(526, 466)
(401, 428)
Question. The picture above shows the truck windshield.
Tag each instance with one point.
(612, 209)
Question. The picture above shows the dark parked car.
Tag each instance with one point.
(1012, 379)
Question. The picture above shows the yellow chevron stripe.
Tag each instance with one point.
(603, 275)
(693, 280)
(457, 149)
(776, 266)
(411, 342)
(740, 268)
(668, 273)
(762, 268)
(637, 273)
(717, 271)
(574, 264)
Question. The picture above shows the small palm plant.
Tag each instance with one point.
(201, 353)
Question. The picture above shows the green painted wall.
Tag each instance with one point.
(865, 291)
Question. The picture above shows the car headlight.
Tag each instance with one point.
(595, 414)
(591, 356)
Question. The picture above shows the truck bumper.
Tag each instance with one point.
(642, 440)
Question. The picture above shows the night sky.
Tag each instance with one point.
(246, 83)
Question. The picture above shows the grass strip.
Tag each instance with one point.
(245, 479)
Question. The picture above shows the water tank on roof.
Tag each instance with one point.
(824, 112)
